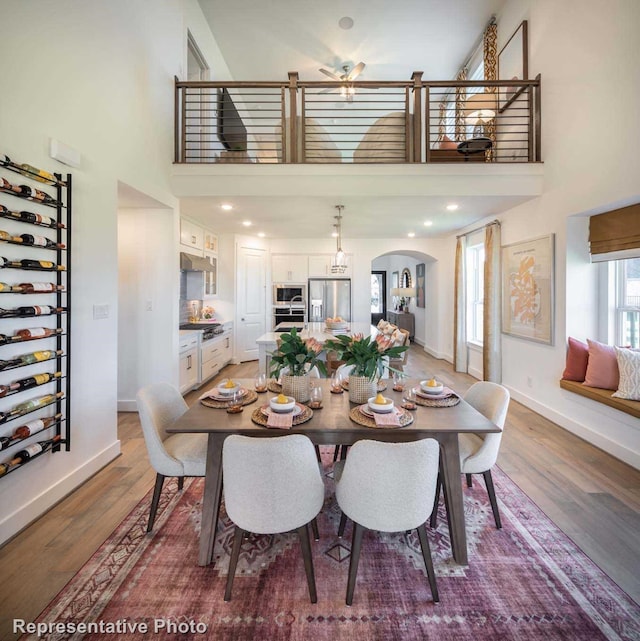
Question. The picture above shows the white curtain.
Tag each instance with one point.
(491, 325)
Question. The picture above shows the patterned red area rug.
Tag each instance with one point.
(527, 581)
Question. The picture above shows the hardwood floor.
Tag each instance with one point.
(591, 496)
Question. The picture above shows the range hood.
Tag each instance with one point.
(191, 263)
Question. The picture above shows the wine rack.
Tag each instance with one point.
(35, 236)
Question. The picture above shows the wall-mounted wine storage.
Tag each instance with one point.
(35, 319)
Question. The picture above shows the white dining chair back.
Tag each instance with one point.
(180, 455)
(271, 485)
(389, 487)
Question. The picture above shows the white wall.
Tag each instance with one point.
(99, 77)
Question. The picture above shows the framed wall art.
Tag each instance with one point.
(420, 285)
(528, 289)
(513, 64)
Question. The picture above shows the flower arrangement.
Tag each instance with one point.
(208, 312)
(368, 356)
(298, 354)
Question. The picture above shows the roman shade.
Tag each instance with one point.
(615, 235)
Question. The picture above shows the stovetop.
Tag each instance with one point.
(201, 326)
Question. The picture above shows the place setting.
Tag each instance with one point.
(432, 393)
(281, 412)
(228, 395)
(381, 412)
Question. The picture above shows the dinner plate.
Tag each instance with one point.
(266, 410)
(423, 394)
(367, 411)
(225, 397)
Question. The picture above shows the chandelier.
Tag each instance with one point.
(339, 265)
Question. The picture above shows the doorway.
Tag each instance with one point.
(378, 296)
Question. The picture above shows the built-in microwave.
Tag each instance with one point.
(289, 294)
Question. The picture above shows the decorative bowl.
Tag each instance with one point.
(379, 407)
(431, 389)
(336, 324)
(227, 391)
(282, 408)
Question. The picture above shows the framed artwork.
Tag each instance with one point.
(513, 64)
(527, 289)
(420, 285)
(395, 279)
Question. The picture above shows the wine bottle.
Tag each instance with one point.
(34, 449)
(31, 310)
(29, 263)
(30, 333)
(9, 465)
(38, 241)
(5, 442)
(6, 288)
(7, 186)
(30, 217)
(37, 357)
(36, 194)
(35, 403)
(13, 362)
(30, 288)
(5, 235)
(33, 427)
(29, 382)
(37, 174)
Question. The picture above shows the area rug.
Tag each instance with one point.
(527, 581)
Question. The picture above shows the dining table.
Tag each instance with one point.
(333, 424)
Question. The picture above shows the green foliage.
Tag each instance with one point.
(368, 356)
(297, 354)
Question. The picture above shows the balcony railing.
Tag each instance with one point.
(412, 121)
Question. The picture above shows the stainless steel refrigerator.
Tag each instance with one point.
(328, 298)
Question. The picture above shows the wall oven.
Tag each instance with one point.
(289, 314)
(286, 294)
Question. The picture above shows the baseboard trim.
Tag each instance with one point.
(611, 447)
(26, 514)
(127, 406)
(436, 354)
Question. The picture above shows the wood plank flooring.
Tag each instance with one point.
(591, 496)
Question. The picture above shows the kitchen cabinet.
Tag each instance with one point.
(211, 277)
(216, 353)
(320, 266)
(189, 368)
(289, 268)
(210, 243)
(191, 237)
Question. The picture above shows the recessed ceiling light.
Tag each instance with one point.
(226, 206)
(452, 207)
(261, 234)
(246, 223)
(411, 234)
(428, 223)
(345, 22)
(334, 234)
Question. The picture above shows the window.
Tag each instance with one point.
(475, 292)
(627, 307)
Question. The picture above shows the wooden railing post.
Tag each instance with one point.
(536, 122)
(417, 115)
(293, 116)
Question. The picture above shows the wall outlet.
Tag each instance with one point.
(529, 381)
(149, 306)
(100, 312)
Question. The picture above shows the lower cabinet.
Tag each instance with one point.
(189, 375)
(216, 353)
(403, 320)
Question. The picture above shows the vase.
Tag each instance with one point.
(361, 389)
(297, 386)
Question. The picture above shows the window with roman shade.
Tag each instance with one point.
(615, 235)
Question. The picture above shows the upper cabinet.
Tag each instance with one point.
(191, 237)
(289, 268)
(210, 242)
(320, 266)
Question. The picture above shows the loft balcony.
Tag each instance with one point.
(360, 122)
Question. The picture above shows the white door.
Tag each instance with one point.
(252, 273)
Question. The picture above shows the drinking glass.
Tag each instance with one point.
(398, 381)
(261, 383)
(336, 383)
(234, 404)
(409, 398)
(316, 397)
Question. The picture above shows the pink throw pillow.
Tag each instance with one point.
(577, 359)
(602, 369)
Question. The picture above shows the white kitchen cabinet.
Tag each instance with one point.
(211, 278)
(191, 237)
(320, 266)
(189, 366)
(289, 268)
(216, 353)
(210, 242)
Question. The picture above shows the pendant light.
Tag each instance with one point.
(339, 265)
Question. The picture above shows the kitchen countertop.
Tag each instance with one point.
(317, 331)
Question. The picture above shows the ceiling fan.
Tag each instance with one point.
(347, 90)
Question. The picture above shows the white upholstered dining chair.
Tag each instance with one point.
(271, 485)
(389, 487)
(159, 404)
(479, 454)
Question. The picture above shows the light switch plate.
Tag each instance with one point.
(100, 312)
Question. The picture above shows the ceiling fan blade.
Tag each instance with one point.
(331, 75)
(356, 71)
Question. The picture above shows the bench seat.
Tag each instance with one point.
(603, 396)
